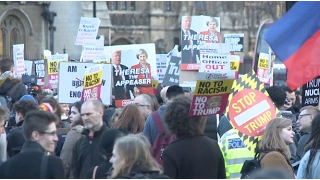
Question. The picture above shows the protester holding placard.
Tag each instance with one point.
(10, 86)
(144, 70)
(211, 35)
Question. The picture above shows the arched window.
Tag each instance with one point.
(12, 32)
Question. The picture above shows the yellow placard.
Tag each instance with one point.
(263, 63)
(209, 87)
(234, 65)
(155, 84)
(93, 79)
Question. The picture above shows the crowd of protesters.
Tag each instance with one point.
(154, 137)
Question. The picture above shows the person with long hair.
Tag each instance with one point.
(273, 147)
(131, 155)
(130, 120)
(108, 138)
(309, 165)
(72, 136)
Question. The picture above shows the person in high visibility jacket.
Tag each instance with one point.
(235, 153)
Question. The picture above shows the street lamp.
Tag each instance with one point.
(49, 16)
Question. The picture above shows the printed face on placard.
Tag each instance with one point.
(186, 22)
(250, 111)
(214, 101)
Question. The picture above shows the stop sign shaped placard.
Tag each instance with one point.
(250, 111)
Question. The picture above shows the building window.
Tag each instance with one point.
(133, 5)
(11, 33)
(123, 5)
(168, 5)
(114, 5)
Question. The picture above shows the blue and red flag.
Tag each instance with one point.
(295, 39)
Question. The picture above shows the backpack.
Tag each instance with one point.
(6, 100)
(250, 166)
(163, 138)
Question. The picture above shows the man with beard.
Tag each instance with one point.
(86, 152)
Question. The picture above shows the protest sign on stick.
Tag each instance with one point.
(92, 82)
(53, 68)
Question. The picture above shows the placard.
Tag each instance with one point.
(88, 29)
(71, 82)
(53, 69)
(18, 58)
(173, 71)
(92, 82)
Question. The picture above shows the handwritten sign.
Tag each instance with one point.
(18, 58)
(88, 29)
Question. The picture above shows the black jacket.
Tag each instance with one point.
(27, 164)
(138, 172)
(197, 157)
(211, 127)
(87, 153)
(15, 140)
(18, 93)
(101, 170)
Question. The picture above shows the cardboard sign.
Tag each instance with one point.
(251, 110)
(173, 70)
(18, 58)
(92, 82)
(196, 30)
(310, 92)
(210, 97)
(53, 69)
(263, 70)
(88, 29)
(40, 72)
(214, 62)
(134, 68)
(161, 66)
(236, 42)
(46, 53)
(71, 82)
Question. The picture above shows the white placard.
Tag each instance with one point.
(161, 66)
(71, 76)
(88, 29)
(18, 58)
(28, 67)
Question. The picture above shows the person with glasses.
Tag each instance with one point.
(145, 104)
(304, 121)
(39, 130)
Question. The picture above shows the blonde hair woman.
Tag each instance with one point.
(131, 156)
(273, 147)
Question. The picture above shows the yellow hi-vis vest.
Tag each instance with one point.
(234, 152)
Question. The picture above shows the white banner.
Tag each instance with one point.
(71, 76)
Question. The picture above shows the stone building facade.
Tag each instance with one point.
(124, 22)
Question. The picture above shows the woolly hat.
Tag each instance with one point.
(28, 97)
(108, 139)
(45, 107)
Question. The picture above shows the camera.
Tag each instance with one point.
(31, 84)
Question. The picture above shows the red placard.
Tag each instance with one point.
(250, 111)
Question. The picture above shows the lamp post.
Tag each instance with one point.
(49, 16)
(94, 9)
